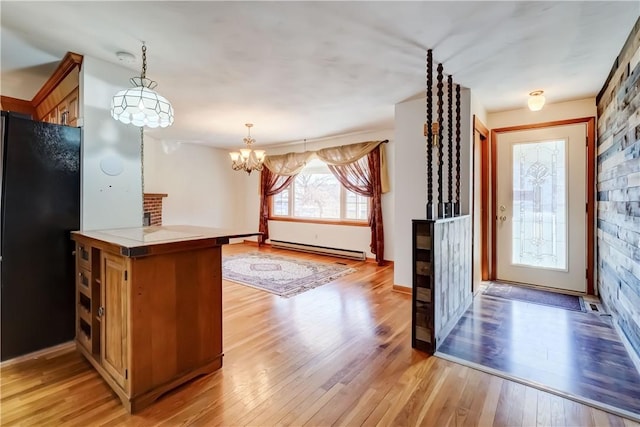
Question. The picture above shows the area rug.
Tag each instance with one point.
(536, 296)
(279, 275)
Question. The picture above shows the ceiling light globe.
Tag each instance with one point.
(536, 100)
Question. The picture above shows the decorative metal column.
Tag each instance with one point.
(428, 129)
(449, 205)
(441, 208)
(456, 207)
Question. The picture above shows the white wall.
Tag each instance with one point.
(201, 186)
(107, 201)
(411, 175)
(550, 112)
(478, 110)
(335, 236)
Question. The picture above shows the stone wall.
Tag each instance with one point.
(618, 185)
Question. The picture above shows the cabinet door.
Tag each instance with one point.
(72, 108)
(63, 113)
(52, 117)
(115, 303)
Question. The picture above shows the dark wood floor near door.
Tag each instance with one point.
(569, 351)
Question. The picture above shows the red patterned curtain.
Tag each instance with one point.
(363, 177)
(270, 184)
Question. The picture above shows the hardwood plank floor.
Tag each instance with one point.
(572, 352)
(339, 354)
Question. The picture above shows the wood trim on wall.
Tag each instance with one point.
(482, 130)
(591, 203)
(494, 203)
(590, 187)
(66, 66)
(17, 105)
(320, 221)
(402, 289)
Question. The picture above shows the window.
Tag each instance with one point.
(316, 194)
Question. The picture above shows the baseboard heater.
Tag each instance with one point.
(323, 250)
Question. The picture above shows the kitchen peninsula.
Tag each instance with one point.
(149, 306)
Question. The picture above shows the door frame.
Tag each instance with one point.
(483, 132)
(590, 188)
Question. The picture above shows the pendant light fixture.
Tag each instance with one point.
(141, 105)
(246, 159)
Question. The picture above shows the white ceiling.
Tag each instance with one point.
(314, 69)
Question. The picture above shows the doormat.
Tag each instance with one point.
(279, 275)
(535, 296)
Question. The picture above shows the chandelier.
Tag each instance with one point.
(246, 159)
(141, 105)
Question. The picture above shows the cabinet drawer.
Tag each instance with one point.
(84, 281)
(83, 252)
(83, 334)
(84, 308)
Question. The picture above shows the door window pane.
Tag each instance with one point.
(540, 205)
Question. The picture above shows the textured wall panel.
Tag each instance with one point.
(452, 272)
(619, 190)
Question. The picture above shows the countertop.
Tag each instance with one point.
(140, 241)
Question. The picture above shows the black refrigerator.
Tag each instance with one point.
(40, 206)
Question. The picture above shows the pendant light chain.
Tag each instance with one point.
(144, 61)
(142, 168)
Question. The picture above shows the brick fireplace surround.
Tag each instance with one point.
(153, 206)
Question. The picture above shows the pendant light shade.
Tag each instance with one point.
(141, 105)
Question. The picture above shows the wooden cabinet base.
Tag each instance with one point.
(135, 404)
(149, 316)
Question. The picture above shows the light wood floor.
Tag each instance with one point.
(339, 354)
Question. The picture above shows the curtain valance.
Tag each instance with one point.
(361, 168)
(291, 164)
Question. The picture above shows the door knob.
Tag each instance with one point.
(503, 218)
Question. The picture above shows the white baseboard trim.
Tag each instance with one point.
(40, 354)
(585, 401)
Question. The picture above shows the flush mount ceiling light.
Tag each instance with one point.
(246, 159)
(141, 105)
(536, 100)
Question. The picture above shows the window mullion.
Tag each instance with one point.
(343, 202)
(291, 198)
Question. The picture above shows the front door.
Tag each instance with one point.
(540, 216)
